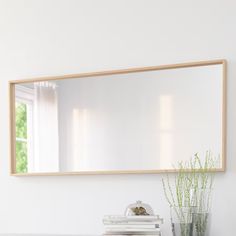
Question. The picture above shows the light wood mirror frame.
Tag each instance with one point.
(12, 85)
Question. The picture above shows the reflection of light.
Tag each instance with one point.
(166, 151)
(166, 136)
(75, 142)
(166, 104)
(79, 143)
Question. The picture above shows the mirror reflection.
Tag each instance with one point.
(140, 121)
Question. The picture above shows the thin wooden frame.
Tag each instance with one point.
(12, 84)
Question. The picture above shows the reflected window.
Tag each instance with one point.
(36, 119)
(24, 130)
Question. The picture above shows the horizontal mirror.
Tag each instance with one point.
(142, 120)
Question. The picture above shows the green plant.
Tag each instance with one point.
(21, 137)
(191, 176)
(191, 187)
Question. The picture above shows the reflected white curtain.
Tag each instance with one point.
(46, 157)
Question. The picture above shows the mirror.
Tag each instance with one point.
(142, 120)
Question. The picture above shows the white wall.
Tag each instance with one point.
(53, 37)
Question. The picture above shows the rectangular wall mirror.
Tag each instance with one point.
(142, 120)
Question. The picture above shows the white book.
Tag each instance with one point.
(110, 222)
(118, 218)
(133, 234)
(156, 233)
(131, 226)
(133, 230)
(121, 217)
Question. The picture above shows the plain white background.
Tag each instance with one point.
(54, 37)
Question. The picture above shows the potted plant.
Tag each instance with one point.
(188, 193)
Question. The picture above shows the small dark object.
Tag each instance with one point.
(139, 211)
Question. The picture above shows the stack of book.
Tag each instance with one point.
(132, 225)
